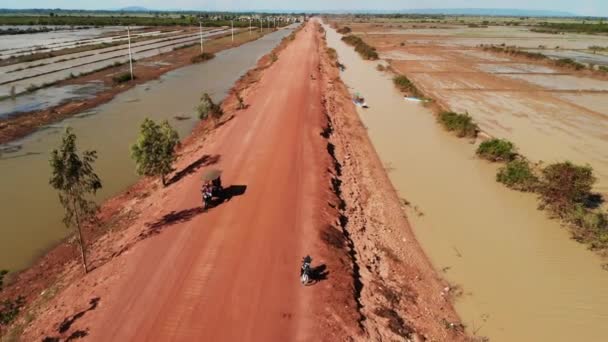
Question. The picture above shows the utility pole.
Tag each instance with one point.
(130, 55)
(260, 25)
(232, 23)
(250, 26)
(201, 26)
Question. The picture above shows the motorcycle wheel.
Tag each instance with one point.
(304, 279)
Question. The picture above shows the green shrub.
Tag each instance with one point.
(403, 83)
(575, 27)
(9, 309)
(407, 86)
(154, 151)
(2, 274)
(564, 185)
(208, 109)
(603, 68)
(332, 53)
(568, 62)
(344, 30)
(518, 175)
(205, 56)
(366, 51)
(352, 40)
(462, 124)
(587, 219)
(122, 78)
(496, 150)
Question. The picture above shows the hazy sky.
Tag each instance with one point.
(582, 7)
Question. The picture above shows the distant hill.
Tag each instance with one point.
(134, 9)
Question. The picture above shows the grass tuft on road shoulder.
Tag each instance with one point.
(122, 78)
(205, 56)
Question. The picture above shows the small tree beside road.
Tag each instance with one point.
(154, 151)
(207, 108)
(73, 176)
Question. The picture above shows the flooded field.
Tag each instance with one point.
(31, 41)
(581, 57)
(23, 75)
(109, 37)
(30, 208)
(551, 114)
(459, 35)
(523, 278)
(48, 97)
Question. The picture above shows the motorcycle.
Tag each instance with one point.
(306, 271)
(212, 188)
(207, 198)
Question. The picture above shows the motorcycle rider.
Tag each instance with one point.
(305, 265)
(216, 185)
(206, 191)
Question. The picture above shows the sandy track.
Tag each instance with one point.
(237, 265)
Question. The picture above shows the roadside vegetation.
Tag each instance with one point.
(154, 151)
(496, 150)
(208, 109)
(515, 51)
(366, 51)
(570, 63)
(344, 30)
(461, 124)
(9, 308)
(546, 27)
(122, 20)
(404, 84)
(205, 56)
(596, 48)
(123, 77)
(564, 190)
(76, 181)
(518, 175)
(332, 54)
(240, 101)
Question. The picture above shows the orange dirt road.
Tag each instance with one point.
(232, 273)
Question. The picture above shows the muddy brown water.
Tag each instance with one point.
(523, 278)
(30, 209)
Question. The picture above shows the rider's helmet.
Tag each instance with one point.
(307, 259)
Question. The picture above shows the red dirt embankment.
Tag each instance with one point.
(401, 294)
